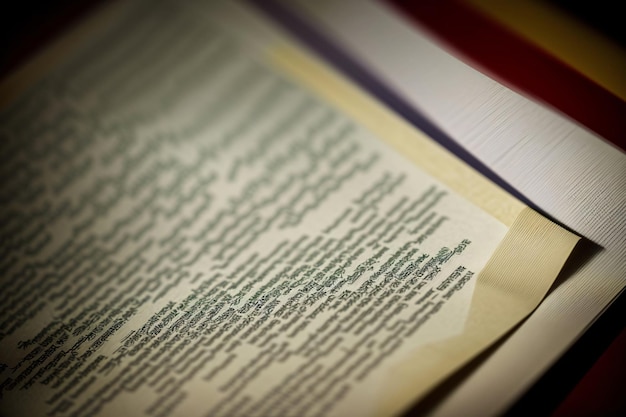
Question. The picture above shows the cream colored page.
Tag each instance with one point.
(189, 232)
(577, 178)
(508, 288)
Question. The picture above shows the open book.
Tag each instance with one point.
(200, 218)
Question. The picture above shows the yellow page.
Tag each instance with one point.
(508, 288)
(200, 220)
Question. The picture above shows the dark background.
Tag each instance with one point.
(27, 25)
(605, 16)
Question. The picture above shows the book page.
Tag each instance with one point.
(573, 175)
(192, 226)
(508, 288)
